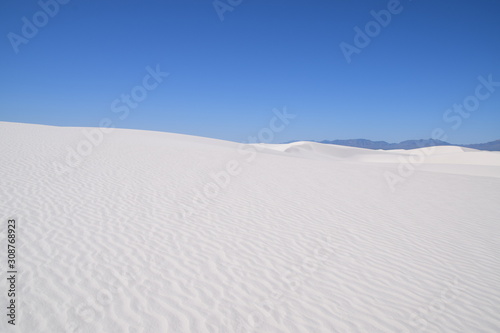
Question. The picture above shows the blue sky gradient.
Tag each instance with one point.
(226, 76)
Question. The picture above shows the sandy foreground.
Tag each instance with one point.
(140, 231)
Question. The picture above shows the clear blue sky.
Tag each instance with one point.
(225, 77)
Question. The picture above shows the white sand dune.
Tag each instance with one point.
(440, 154)
(156, 232)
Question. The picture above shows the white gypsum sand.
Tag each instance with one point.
(302, 237)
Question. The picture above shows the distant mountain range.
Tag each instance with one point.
(408, 144)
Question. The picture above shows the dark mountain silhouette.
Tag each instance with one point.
(491, 146)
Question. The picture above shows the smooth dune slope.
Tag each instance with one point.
(138, 231)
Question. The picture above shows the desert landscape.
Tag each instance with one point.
(234, 166)
(140, 231)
